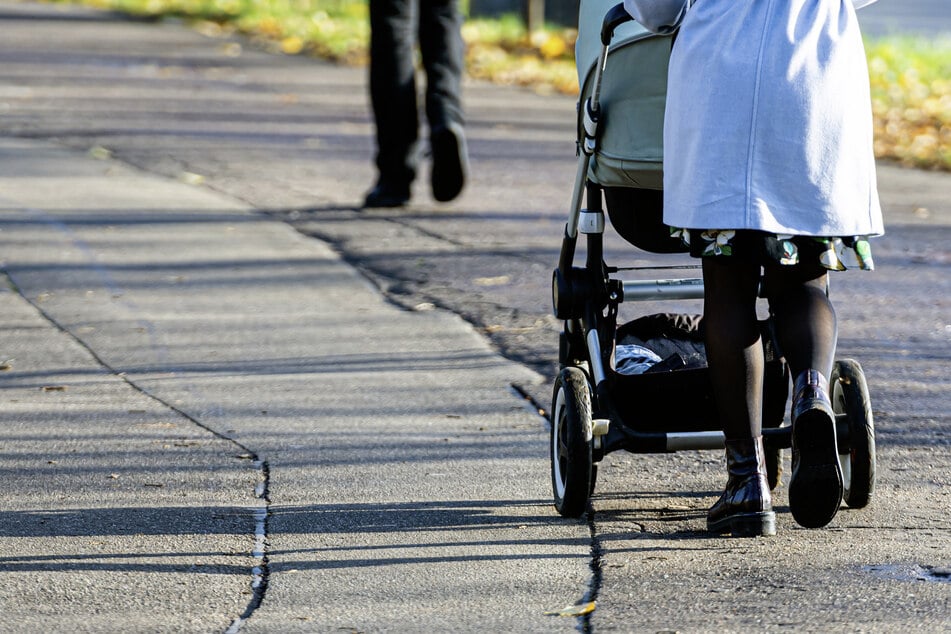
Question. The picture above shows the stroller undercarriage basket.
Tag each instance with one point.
(654, 396)
(667, 403)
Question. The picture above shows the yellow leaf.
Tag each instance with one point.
(270, 27)
(553, 47)
(292, 45)
(573, 610)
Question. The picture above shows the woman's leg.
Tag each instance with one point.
(735, 359)
(806, 331)
(734, 348)
(803, 316)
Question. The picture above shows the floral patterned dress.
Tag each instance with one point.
(834, 254)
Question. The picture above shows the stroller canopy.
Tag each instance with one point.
(633, 96)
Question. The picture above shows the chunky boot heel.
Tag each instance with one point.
(745, 508)
(753, 525)
(815, 487)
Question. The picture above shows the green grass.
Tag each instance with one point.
(910, 77)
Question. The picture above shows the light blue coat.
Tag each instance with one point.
(768, 123)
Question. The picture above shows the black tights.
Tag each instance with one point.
(804, 321)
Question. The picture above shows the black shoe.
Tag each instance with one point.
(815, 487)
(384, 195)
(450, 161)
(745, 509)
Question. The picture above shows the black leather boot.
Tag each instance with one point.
(387, 194)
(745, 509)
(815, 487)
(450, 161)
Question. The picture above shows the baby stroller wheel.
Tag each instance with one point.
(572, 466)
(850, 397)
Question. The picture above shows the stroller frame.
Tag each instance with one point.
(590, 418)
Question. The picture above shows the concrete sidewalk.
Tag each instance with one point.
(183, 376)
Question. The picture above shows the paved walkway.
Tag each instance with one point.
(210, 422)
(182, 376)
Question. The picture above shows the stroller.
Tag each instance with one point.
(602, 402)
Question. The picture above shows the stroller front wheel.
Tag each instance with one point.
(572, 464)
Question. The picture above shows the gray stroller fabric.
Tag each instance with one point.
(633, 97)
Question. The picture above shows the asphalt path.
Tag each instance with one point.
(403, 479)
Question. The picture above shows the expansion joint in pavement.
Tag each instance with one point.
(597, 549)
(260, 572)
(532, 402)
(596, 565)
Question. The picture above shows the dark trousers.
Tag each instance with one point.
(396, 26)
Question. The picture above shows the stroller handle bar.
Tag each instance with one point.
(646, 290)
(592, 111)
(614, 18)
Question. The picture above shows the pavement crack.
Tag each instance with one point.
(398, 280)
(260, 572)
(597, 566)
(531, 403)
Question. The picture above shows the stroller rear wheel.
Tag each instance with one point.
(850, 397)
(572, 464)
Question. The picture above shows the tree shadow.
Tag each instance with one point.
(377, 529)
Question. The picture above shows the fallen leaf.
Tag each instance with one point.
(573, 610)
(191, 178)
(231, 49)
(292, 45)
(498, 280)
(99, 152)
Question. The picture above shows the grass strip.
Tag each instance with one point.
(910, 76)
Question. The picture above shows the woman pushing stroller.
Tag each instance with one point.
(769, 172)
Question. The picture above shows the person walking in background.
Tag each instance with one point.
(396, 26)
(769, 169)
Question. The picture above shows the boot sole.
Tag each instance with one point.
(815, 488)
(746, 524)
